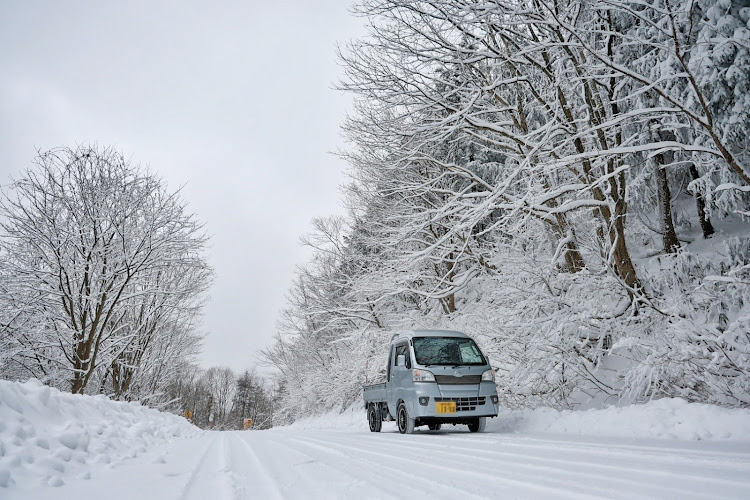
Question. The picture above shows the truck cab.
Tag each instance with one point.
(433, 377)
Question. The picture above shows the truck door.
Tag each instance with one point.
(400, 377)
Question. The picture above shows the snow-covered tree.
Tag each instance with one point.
(523, 170)
(102, 265)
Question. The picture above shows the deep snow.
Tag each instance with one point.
(57, 445)
(48, 437)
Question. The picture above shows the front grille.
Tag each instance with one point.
(451, 380)
(464, 404)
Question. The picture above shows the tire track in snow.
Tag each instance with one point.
(202, 480)
(450, 470)
(367, 479)
(649, 477)
(220, 472)
(662, 461)
(235, 464)
(262, 477)
(605, 480)
(665, 454)
(356, 476)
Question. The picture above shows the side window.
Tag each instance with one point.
(399, 352)
(402, 349)
(391, 359)
(470, 353)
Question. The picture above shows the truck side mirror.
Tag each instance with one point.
(400, 360)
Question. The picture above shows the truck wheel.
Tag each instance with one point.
(478, 424)
(405, 422)
(373, 418)
(434, 427)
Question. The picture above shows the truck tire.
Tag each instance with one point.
(434, 427)
(373, 418)
(405, 422)
(478, 424)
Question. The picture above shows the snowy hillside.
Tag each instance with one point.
(58, 445)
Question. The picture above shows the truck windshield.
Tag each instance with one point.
(447, 351)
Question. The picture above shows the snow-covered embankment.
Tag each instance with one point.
(661, 419)
(47, 436)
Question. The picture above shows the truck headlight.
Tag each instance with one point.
(418, 375)
(488, 376)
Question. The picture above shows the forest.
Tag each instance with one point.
(566, 181)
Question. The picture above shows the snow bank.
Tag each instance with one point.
(353, 418)
(661, 419)
(47, 436)
(664, 418)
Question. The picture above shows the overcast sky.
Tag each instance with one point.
(234, 100)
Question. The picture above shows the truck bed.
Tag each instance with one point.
(374, 393)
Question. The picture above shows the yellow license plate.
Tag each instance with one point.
(445, 407)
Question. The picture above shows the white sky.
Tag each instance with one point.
(234, 100)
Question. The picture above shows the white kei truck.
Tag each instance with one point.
(433, 377)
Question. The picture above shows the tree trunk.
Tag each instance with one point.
(700, 202)
(622, 261)
(573, 258)
(77, 386)
(81, 354)
(669, 237)
(614, 226)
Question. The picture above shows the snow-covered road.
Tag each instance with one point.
(348, 463)
(58, 446)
